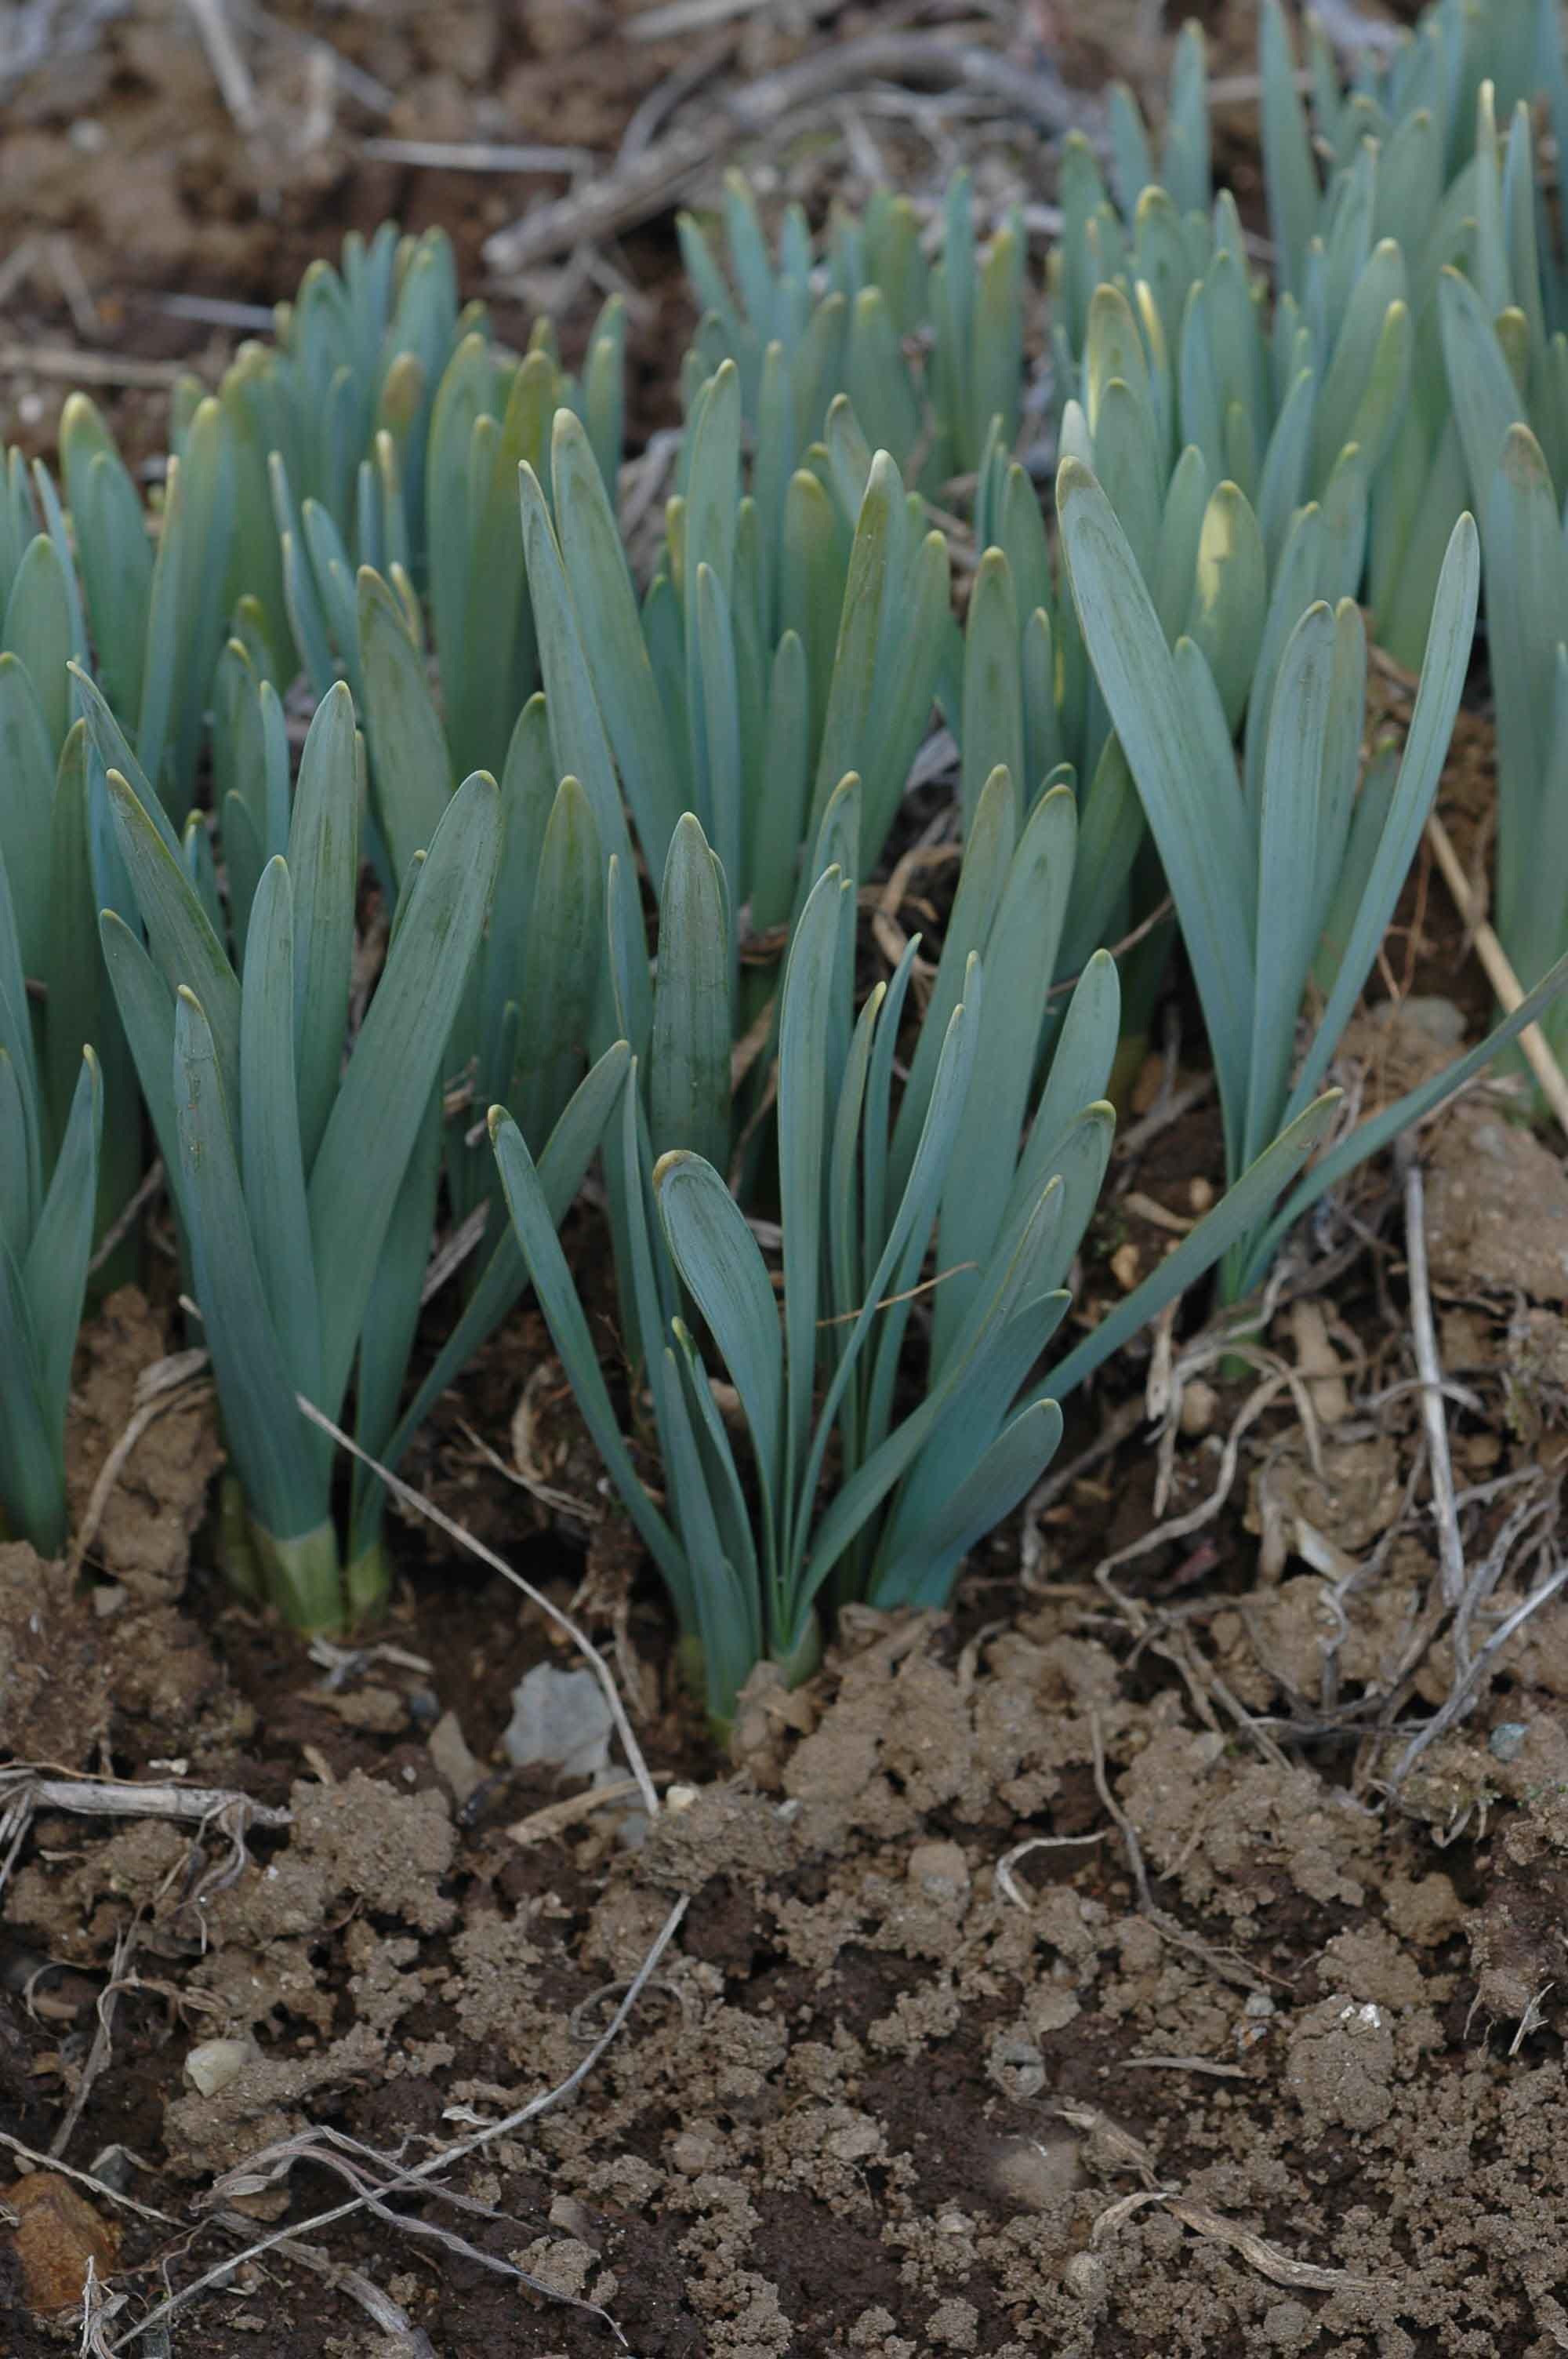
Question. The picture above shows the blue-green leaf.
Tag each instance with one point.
(721, 1264)
(55, 1270)
(688, 1085)
(397, 1059)
(179, 932)
(272, 1165)
(1193, 814)
(274, 1450)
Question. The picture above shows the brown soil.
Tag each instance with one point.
(1254, 2049)
(885, 2094)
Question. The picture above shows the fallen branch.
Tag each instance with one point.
(125, 1798)
(477, 156)
(78, 367)
(652, 180)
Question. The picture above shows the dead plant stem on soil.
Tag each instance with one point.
(1499, 973)
(404, 2180)
(1423, 1335)
(465, 1539)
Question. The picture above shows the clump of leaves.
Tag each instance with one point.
(797, 349)
(46, 1240)
(890, 1420)
(1296, 882)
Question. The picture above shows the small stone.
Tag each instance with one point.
(1033, 2173)
(560, 1718)
(857, 2141)
(1083, 2275)
(561, 2265)
(1016, 2065)
(694, 2151)
(955, 2323)
(1146, 1088)
(1341, 2062)
(871, 2329)
(940, 1869)
(1200, 1406)
(575, 2220)
(452, 1758)
(1200, 1194)
(216, 2063)
(1125, 1266)
(1052, 2007)
(57, 2233)
(1506, 1741)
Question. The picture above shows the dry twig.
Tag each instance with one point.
(125, 1219)
(1423, 1335)
(1008, 1883)
(1178, 1528)
(1499, 973)
(478, 155)
(1227, 1969)
(412, 2340)
(553, 1818)
(1183, 2064)
(168, 1384)
(677, 17)
(1266, 2258)
(351, 80)
(37, 32)
(324, 2149)
(230, 71)
(666, 169)
(102, 2046)
(421, 2174)
(24, 1791)
(1121, 2150)
(465, 1539)
(100, 2187)
(1469, 1679)
(80, 367)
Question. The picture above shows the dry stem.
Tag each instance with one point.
(465, 1539)
(1500, 972)
(421, 2173)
